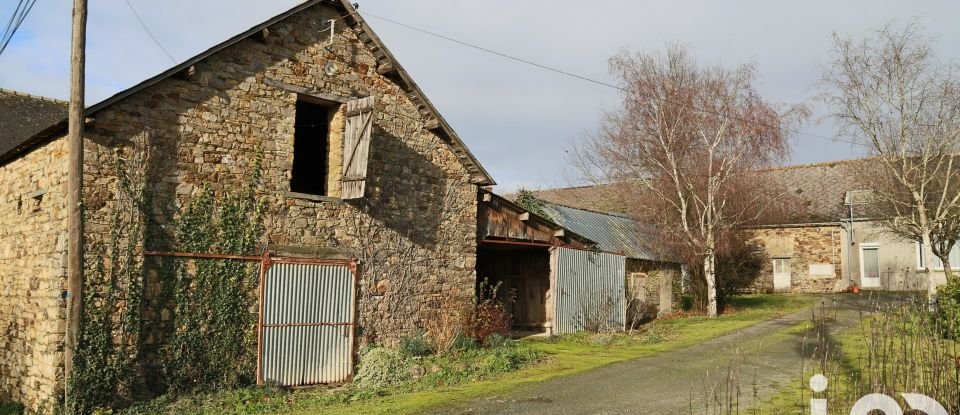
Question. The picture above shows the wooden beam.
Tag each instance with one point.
(310, 92)
(386, 69)
(431, 124)
(262, 35)
(187, 73)
(487, 197)
(559, 233)
(525, 216)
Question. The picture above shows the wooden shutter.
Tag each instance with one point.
(356, 147)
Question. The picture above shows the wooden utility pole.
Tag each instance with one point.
(75, 191)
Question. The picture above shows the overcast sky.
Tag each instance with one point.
(517, 119)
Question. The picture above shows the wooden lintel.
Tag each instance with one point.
(309, 92)
(186, 73)
(525, 216)
(262, 35)
(386, 68)
(487, 197)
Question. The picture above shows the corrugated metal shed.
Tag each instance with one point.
(589, 290)
(611, 232)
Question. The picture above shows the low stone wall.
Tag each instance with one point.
(33, 242)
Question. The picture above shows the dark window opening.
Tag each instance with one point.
(310, 149)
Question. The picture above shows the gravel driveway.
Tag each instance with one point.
(760, 358)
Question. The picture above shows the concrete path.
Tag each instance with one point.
(757, 360)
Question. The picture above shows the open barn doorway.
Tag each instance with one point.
(523, 273)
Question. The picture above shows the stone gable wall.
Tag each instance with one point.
(33, 241)
(804, 246)
(414, 232)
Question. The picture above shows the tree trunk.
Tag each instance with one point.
(928, 267)
(709, 274)
(947, 268)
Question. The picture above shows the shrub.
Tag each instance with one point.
(496, 340)
(445, 325)
(414, 345)
(739, 263)
(948, 310)
(381, 367)
(462, 343)
(491, 313)
(596, 314)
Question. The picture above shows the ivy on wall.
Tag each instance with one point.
(531, 203)
(203, 314)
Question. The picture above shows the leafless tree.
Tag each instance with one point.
(889, 92)
(686, 137)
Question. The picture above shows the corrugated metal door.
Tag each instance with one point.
(307, 323)
(588, 289)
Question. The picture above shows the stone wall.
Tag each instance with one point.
(414, 232)
(33, 241)
(651, 287)
(819, 246)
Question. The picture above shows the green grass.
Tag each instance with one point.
(893, 340)
(7, 408)
(566, 355)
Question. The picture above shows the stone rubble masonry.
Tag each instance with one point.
(804, 246)
(33, 249)
(414, 232)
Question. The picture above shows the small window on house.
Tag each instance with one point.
(937, 263)
(311, 146)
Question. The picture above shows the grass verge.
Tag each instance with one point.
(565, 355)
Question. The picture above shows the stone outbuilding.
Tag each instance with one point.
(330, 144)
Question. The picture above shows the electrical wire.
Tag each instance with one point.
(16, 19)
(592, 80)
(149, 32)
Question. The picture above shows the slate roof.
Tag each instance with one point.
(611, 232)
(809, 193)
(24, 115)
(818, 192)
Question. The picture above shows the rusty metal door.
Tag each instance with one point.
(306, 322)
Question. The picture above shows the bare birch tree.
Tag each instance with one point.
(889, 92)
(686, 136)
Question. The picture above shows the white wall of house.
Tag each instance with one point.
(896, 260)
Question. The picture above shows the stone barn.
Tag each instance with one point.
(288, 195)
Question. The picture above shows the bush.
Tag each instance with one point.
(948, 310)
(739, 263)
(381, 367)
(463, 343)
(491, 313)
(445, 325)
(496, 340)
(414, 345)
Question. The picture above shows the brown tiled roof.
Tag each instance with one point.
(23, 115)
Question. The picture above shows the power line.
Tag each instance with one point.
(16, 19)
(588, 79)
(149, 33)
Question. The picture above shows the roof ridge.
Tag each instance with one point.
(29, 95)
(617, 215)
(816, 164)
